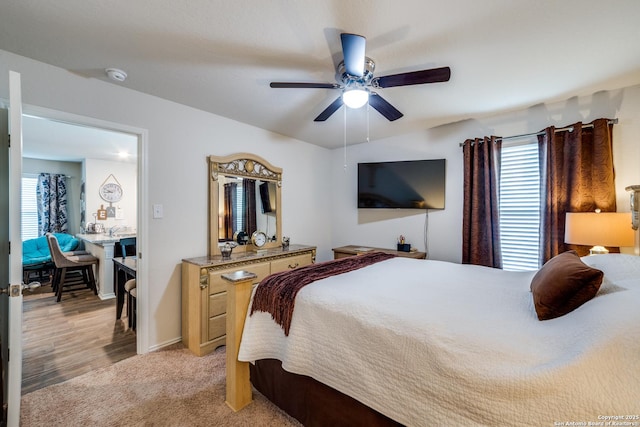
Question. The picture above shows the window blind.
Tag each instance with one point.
(240, 207)
(29, 208)
(520, 206)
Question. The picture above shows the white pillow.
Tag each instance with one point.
(620, 271)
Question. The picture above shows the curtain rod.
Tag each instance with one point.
(36, 174)
(567, 129)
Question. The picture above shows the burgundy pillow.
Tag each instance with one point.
(563, 284)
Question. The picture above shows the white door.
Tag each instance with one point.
(11, 254)
(4, 251)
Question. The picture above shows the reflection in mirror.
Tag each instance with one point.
(244, 197)
(246, 205)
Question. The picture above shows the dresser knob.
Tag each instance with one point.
(293, 266)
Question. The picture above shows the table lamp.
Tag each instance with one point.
(599, 229)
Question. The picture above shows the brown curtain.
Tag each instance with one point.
(480, 220)
(229, 214)
(249, 189)
(576, 175)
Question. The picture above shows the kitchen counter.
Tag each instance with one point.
(103, 238)
(102, 246)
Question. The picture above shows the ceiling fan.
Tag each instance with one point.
(355, 78)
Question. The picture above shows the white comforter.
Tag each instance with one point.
(437, 343)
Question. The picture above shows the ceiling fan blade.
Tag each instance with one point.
(383, 107)
(329, 110)
(434, 75)
(287, 85)
(353, 47)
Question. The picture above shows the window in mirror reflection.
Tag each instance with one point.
(247, 205)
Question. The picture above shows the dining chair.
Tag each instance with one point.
(67, 263)
(128, 244)
(132, 293)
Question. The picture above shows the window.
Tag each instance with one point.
(239, 215)
(29, 207)
(520, 206)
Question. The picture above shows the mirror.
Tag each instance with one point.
(244, 197)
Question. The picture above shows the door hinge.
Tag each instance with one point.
(9, 140)
(9, 247)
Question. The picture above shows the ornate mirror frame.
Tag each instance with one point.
(241, 165)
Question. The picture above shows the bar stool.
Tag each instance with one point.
(64, 264)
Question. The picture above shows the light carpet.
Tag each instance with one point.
(169, 387)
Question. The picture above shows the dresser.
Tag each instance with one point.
(351, 250)
(204, 296)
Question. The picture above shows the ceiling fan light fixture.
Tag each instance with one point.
(355, 98)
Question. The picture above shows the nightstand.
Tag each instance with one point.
(351, 250)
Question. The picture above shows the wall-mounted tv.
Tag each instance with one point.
(268, 197)
(411, 184)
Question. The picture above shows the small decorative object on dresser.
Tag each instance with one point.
(226, 249)
(403, 246)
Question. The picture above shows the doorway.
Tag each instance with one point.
(53, 139)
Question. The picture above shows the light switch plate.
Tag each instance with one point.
(157, 211)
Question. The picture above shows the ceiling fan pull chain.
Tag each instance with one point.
(367, 122)
(345, 138)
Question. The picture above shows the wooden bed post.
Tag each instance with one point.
(238, 296)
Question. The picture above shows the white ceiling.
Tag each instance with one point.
(53, 140)
(220, 56)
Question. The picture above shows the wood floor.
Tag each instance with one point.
(66, 339)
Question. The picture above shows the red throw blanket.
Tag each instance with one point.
(277, 292)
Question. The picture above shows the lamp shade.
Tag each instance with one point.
(602, 229)
(355, 98)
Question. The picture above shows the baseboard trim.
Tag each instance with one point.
(165, 344)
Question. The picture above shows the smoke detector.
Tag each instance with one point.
(116, 74)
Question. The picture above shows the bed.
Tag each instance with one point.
(424, 342)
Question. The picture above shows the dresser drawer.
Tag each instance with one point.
(218, 284)
(290, 263)
(217, 304)
(217, 326)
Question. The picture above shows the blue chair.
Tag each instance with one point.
(36, 256)
(127, 247)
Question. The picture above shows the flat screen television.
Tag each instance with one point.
(411, 184)
(268, 197)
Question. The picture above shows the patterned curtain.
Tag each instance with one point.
(51, 193)
(249, 188)
(229, 214)
(480, 219)
(576, 171)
